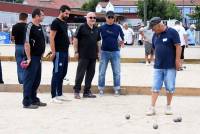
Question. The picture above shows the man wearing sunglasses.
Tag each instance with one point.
(86, 51)
(112, 36)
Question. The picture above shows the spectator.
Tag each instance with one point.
(18, 36)
(191, 35)
(34, 49)
(128, 35)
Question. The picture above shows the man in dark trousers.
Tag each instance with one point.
(86, 51)
(34, 49)
(59, 43)
(18, 36)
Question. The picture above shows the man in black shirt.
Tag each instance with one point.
(86, 50)
(18, 36)
(34, 49)
(59, 43)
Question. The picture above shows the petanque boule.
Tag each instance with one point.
(177, 119)
(127, 116)
(155, 126)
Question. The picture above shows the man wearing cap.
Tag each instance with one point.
(166, 44)
(112, 36)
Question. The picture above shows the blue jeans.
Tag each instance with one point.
(168, 76)
(60, 65)
(114, 58)
(32, 78)
(19, 55)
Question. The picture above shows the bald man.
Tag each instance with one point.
(86, 51)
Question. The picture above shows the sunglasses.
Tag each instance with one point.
(92, 18)
(110, 17)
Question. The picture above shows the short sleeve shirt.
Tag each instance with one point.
(61, 38)
(19, 31)
(165, 50)
(87, 41)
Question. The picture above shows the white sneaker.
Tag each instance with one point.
(101, 93)
(151, 111)
(55, 100)
(147, 63)
(62, 98)
(168, 110)
(117, 93)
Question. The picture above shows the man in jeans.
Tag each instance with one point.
(112, 36)
(166, 44)
(59, 43)
(34, 49)
(18, 35)
(86, 51)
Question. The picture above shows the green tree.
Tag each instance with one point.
(162, 8)
(196, 16)
(90, 5)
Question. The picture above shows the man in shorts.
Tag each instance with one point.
(166, 45)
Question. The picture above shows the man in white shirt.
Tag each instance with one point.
(128, 35)
(183, 37)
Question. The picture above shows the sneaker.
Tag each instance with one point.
(55, 100)
(77, 96)
(151, 111)
(62, 98)
(41, 104)
(31, 106)
(117, 93)
(89, 95)
(101, 92)
(168, 110)
(147, 63)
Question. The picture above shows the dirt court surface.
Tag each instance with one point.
(103, 115)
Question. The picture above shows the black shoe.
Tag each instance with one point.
(90, 95)
(1, 82)
(31, 106)
(41, 104)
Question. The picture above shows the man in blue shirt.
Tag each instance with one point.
(166, 44)
(112, 36)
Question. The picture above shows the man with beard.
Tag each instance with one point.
(59, 43)
(34, 49)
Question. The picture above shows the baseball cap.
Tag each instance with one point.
(110, 13)
(154, 21)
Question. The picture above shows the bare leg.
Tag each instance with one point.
(169, 98)
(154, 98)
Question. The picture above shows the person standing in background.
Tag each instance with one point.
(184, 40)
(18, 36)
(112, 39)
(128, 35)
(191, 35)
